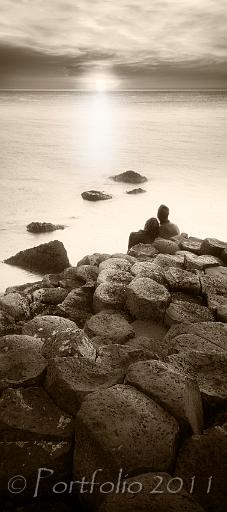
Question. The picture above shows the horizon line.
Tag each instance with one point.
(114, 90)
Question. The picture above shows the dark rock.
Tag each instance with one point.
(210, 370)
(16, 305)
(53, 296)
(109, 296)
(148, 269)
(213, 246)
(7, 324)
(195, 262)
(176, 392)
(153, 492)
(77, 306)
(165, 246)
(167, 260)
(205, 458)
(186, 312)
(61, 337)
(95, 195)
(143, 251)
(21, 363)
(93, 259)
(136, 191)
(26, 458)
(148, 439)
(50, 257)
(186, 297)
(222, 312)
(147, 299)
(224, 256)
(116, 264)
(22, 413)
(213, 332)
(181, 280)
(43, 227)
(129, 177)
(112, 325)
(191, 244)
(110, 275)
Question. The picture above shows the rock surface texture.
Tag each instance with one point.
(113, 372)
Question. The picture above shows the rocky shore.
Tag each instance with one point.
(113, 380)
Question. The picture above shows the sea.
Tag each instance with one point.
(56, 144)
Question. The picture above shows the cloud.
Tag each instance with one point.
(128, 35)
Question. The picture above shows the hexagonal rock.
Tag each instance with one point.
(69, 380)
(16, 305)
(145, 251)
(219, 272)
(148, 269)
(213, 285)
(21, 363)
(116, 264)
(7, 324)
(185, 297)
(210, 370)
(224, 256)
(26, 457)
(222, 313)
(194, 262)
(127, 257)
(22, 412)
(165, 246)
(147, 299)
(205, 458)
(147, 344)
(61, 337)
(113, 276)
(156, 492)
(168, 260)
(77, 306)
(188, 342)
(93, 259)
(213, 246)
(109, 296)
(176, 392)
(111, 325)
(181, 280)
(121, 429)
(185, 312)
(191, 244)
(214, 332)
(87, 272)
(215, 301)
(53, 295)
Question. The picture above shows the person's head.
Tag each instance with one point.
(163, 213)
(151, 228)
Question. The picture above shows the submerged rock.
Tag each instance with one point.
(51, 257)
(136, 191)
(95, 195)
(129, 177)
(43, 227)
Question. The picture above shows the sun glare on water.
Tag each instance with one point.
(101, 82)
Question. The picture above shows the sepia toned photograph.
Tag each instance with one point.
(113, 255)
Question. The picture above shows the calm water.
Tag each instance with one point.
(54, 145)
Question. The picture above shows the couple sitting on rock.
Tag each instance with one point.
(154, 229)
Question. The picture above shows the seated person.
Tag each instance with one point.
(146, 235)
(166, 229)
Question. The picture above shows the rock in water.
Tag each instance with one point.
(129, 177)
(43, 227)
(51, 257)
(95, 195)
(136, 191)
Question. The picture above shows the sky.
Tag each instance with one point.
(122, 44)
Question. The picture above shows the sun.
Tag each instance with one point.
(100, 82)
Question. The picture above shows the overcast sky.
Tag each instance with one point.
(144, 43)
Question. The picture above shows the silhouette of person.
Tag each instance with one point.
(166, 229)
(146, 235)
